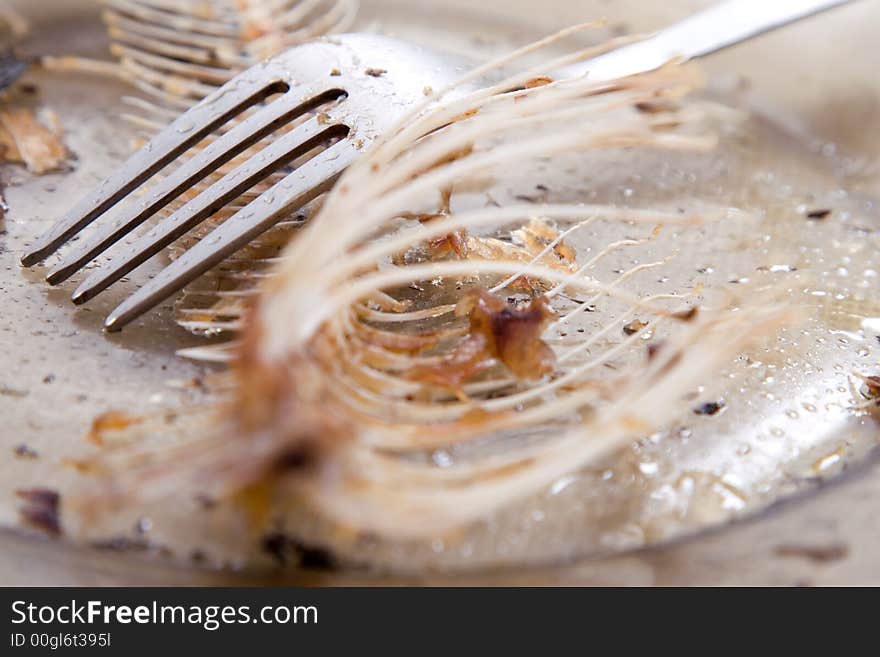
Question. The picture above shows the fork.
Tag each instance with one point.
(375, 80)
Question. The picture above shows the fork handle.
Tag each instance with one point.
(703, 33)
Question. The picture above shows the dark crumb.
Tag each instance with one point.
(198, 556)
(28, 88)
(298, 457)
(206, 502)
(542, 188)
(42, 496)
(816, 553)
(376, 72)
(282, 547)
(335, 72)
(23, 451)
(709, 408)
(654, 107)
(49, 378)
(275, 544)
(653, 349)
(634, 327)
(818, 214)
(122, 544)
(40, 509)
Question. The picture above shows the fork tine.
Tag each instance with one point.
(196, 168)
(311, 179)
(188, 129)
(293, 144)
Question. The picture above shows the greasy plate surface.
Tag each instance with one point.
(60, 371)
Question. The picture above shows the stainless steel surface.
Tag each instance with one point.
(59, 372)
(371, 104)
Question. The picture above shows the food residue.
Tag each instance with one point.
(634, 327)
(709, 408)
(24, 451)
(108, 423)
(283, 548)
(40, 509)
(34, 142)
(498, 332)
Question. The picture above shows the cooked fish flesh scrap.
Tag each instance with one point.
(32, 141)
(27, 136)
